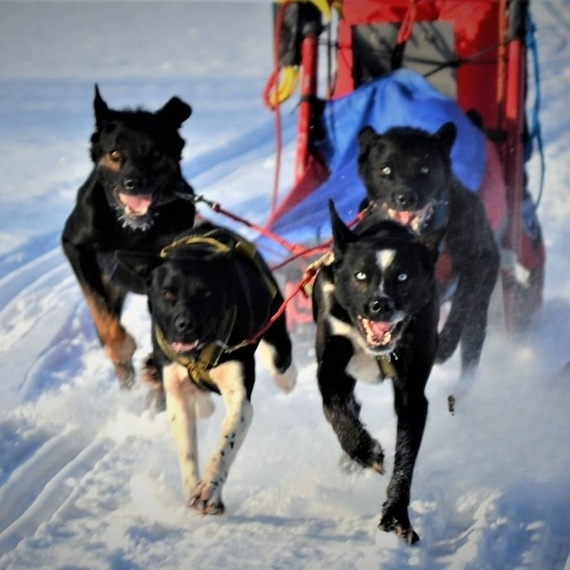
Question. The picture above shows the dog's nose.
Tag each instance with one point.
(130, 184)
(406, 200)
(183, 323)
(381, 306)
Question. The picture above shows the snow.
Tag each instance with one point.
(89, 478)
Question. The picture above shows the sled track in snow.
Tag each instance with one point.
(39, 486)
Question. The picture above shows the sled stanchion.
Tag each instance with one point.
(513, 155)
(309, 50)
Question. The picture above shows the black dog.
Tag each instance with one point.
(376, 307)
(133, 199)
(407, 175)
(211, 297)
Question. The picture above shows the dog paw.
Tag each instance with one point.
(395, 519)
(287, 379)
(125, 372)
(373, 458)
(207, 500)
(156, 397)
(376, 462)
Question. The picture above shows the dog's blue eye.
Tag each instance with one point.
(386, 171)
(402, 277)
(360, 276)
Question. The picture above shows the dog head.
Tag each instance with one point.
(407, 172)
(190, 292)
(383, 276)
(137, 155)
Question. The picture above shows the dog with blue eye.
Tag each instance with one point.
(376, 307)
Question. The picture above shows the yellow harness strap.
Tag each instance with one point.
(386, 367)
(198, 368)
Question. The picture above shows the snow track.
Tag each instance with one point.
(42, 484)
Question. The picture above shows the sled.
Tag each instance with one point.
(377, 62)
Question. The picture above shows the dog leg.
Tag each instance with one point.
(229, 377)
(285, 378)
(118, 344)
(105, 303)
(340, 406)
(411, 410)
(180, 394)
(276, 351)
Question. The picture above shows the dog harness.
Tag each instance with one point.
(386, 367)
(198, 368)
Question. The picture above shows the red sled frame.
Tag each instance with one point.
(491, 73)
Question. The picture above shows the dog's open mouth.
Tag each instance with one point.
(379, 335)
(135, 206)
(182, 347)
(413, 219)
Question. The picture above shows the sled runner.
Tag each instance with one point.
(419, 64)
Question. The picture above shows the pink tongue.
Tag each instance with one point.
(405, 217)
(184, 346)
(138, 204)
(379, 328)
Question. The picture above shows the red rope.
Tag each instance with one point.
(293, 248)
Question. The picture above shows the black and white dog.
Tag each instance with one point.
(211, 297)
(408, 177)
(376, 307)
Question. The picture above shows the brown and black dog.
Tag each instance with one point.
(135, 199)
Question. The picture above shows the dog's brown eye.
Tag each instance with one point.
(115, 155)
(360, 276)
(155, 155)
(169, 296)
(386, 171)
(424, 170)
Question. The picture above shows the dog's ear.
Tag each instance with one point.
(446, 135)
(366, 137)
(138, 266)
(175, 112)
(342, 235)
(100, 107)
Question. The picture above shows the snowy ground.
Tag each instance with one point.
(88, 478)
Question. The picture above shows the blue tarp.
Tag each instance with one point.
(401, 98)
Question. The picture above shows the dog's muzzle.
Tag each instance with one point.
(413, 219)
(380, 336)
(134, 210)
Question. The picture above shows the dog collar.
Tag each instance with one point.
(387, 367)
(198, 368)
